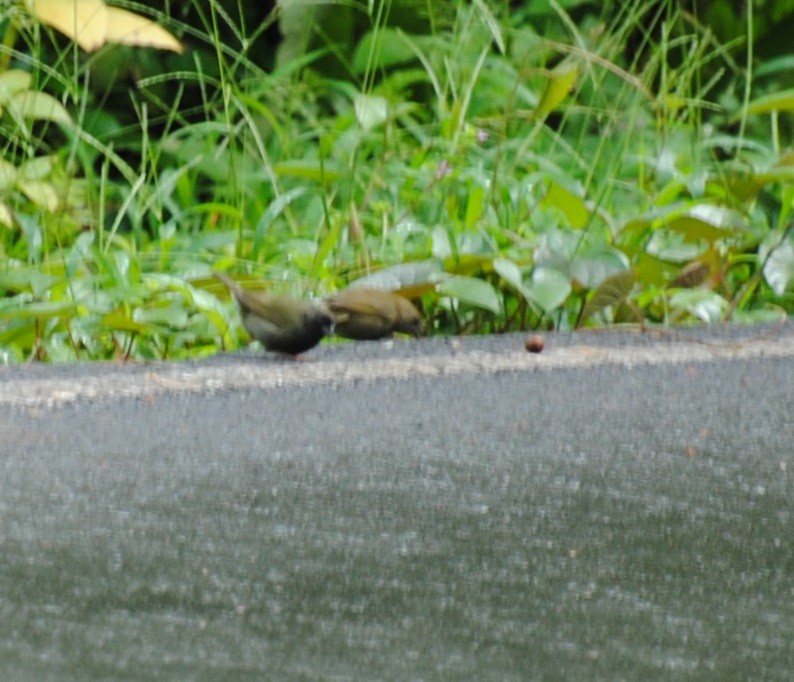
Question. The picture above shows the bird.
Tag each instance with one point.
(368, 314)
(283, 324)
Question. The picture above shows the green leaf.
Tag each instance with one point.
(307, 170)
(492, 23)
(371, 110)
(511, 273)
(709, 222)
(12, 82)
(118, 320)
(172, 315)
(782, 100)
(597, 264)
(610, 292)
(475, 205)
(41, 193)
(702, 303)
(274, 209)
(6, 216)
(8, 175)
(548, 288)
(472, 290)
(381, 48)
(41, 310)
(653, 271)
(571, 205)
(39, 106)
(779, 267)
(404, 277)
(561, 81)
(326, 247)
(37, 168)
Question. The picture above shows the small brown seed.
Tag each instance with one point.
(534, 343)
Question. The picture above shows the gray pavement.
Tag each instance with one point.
(618, 507)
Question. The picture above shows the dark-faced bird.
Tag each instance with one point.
(366, 313)
(280, 323)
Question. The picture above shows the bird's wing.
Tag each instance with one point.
(354, 304)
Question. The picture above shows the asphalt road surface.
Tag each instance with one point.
(618, 507)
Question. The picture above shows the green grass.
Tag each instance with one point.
(509, 170)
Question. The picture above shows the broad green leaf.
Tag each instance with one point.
(596, 264)
(475, 205)
(782, 100)
(8, 175)
(548, 288)
(409, 279)
(472, 290)
(775, 65)
(694, 221)
(709, 222)
(610, 292)
(37, 168)
(779, 267)
(653, 271)
(307, 170)
(561, 81)
(33, 279)
(383, 47)
(672, 247)
(173, 315)
(371, 110)
(39, 106)
(274, 209)
(509, 272)
(118, 320)
(702, 303)
(42, 193)
(569, 204)
(6, 217)
(12, 82)
(41, 310)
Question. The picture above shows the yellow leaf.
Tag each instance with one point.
(13, 81)
(781, 100)
(84, 21)
(37, 168)
(132, 29)
(8, 175)
(92, 24)
(561, 80)
(6, 217)
(41, 193)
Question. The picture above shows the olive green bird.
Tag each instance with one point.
(366, 313)
(280, 323)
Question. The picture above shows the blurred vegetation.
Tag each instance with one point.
(508, 165)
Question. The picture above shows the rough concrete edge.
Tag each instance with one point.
(245, 374)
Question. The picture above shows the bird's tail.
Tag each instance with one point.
(228, 281)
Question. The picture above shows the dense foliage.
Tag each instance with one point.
(509, 166)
